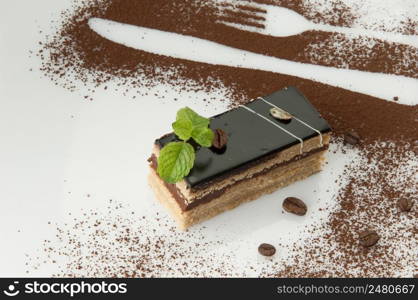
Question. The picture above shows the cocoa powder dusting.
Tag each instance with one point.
(371, 188)
(76, 52)
(118, 243)
(368, 200)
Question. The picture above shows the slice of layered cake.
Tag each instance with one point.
(257, 148)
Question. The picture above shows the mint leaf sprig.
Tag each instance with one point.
(176, 159)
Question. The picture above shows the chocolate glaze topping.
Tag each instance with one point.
(250, 137)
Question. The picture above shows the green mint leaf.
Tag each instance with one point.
(203, 136)
(183, 129)
(175, 161)
(196, 120)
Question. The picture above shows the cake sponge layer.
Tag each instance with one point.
(240, 192)
(190, 197)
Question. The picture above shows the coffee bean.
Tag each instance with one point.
(220, 139)
(405, 205)
(266, 249)
(368, 238)
(295, 206)
(352, 138)
(280, 114)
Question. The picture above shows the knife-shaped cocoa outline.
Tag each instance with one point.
(387, 86)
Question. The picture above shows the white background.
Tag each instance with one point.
(56, 148)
